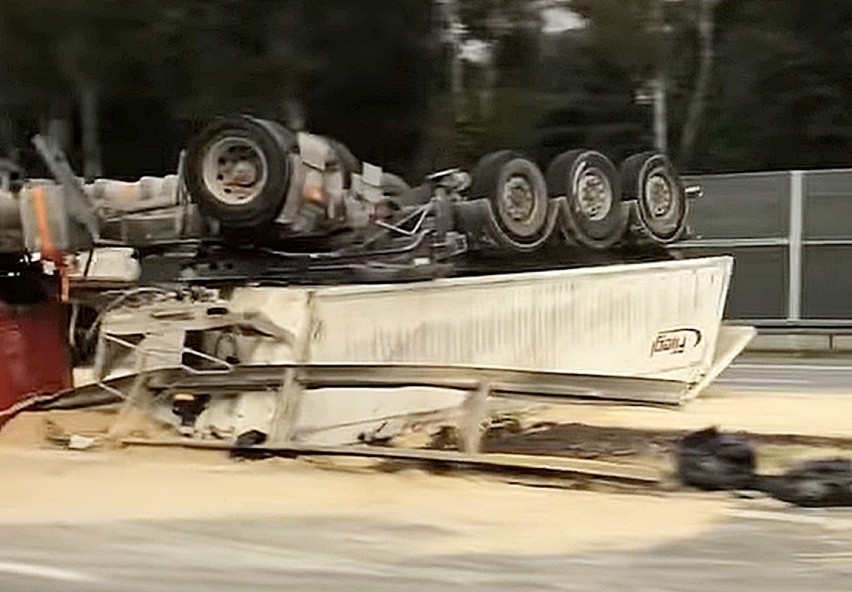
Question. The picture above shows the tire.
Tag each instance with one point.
(659, 212)
(238, 171)
(516, 193)
(598, 219)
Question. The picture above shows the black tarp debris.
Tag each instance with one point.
(713, 461)
(813, 484)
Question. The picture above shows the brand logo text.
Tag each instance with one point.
(675, 341)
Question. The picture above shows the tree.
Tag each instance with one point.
(748, 87)
(706, 28)
(779, 98)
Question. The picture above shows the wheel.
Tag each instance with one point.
(238, 170)
(593, 214)
(517, 194)
(659, 212)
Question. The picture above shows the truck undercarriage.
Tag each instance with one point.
(252, 201)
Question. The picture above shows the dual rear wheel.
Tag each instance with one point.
(239, 172)
(516, 193)
(592, 204)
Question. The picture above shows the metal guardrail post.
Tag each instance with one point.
(794, 288)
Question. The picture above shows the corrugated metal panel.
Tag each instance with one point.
(598, 321)
(586, 321)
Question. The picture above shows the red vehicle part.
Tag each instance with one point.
(34, 356)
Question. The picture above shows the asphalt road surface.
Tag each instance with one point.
(799, 375)
(775, 550)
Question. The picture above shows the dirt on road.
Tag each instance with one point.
(472, 512)
(475, 514)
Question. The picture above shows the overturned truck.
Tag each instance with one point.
(252, 198)
(241, 280)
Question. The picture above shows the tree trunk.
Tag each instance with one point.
(60, 124)
(489, 84)
(7, 137)
(59, 128)
(452, 33)
(661, 122)
(92, 164)
(706, 26)
(295, 115)
(660, 82)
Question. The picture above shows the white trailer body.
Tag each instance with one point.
(656, 321)
(648, 332)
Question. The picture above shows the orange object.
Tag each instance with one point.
(64, 283)
(315, 194)
(48, 248)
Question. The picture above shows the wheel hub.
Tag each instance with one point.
(594, 194)
(518, 198)
(234, 170)
(658, 194)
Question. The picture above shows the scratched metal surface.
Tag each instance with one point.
(604, 320)
(657, 320)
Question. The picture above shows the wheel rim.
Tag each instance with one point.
(658, 195)
(594, 194)
(234, 170)
(518, 200)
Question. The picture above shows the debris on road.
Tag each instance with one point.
(564, 455)
(713, 461)
(814, 484)
(77, 442)
(59, 436)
